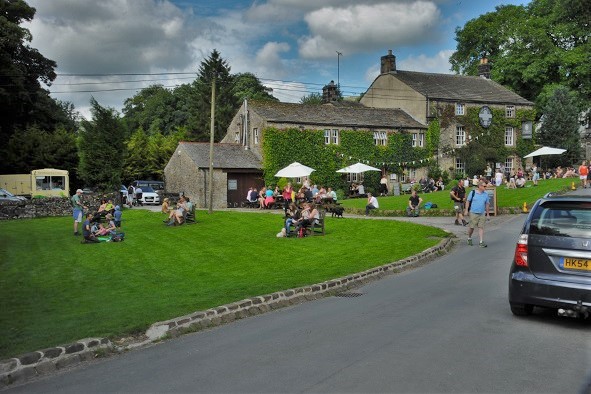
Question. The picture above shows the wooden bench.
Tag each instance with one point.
(318, 228)
(190, 216)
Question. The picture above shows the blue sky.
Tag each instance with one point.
(291, 45)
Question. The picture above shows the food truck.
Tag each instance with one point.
(48, 182)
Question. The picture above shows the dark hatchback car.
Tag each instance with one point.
(552, 262)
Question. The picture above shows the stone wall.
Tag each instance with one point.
(50, 206)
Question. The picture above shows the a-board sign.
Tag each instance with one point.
(492, 195)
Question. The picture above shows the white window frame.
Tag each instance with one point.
(331, 136)
(355, 178)
(510, 111)
(255, 133)
(335, 136)
(509, 136)
(414, 140)
(421, 140)
(380, 138)
(460, 136)
(460, 109)
(460, 166)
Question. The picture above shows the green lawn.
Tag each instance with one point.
(54, 290)
(505, 197)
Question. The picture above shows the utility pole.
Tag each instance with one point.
(339, 54)
(211, 133)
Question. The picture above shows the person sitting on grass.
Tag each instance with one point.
(165, 206)
(87, 233)
(520, 182)
(110, 207)
(414, 203)
(372, 203)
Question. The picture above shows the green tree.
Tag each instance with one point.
(312, 98)
(560, 128)
(226, 102)
(137, 162)
(545, 42)
(22, 100)
(102, 148)
(248, 86)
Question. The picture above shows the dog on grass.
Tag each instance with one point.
(337, 211)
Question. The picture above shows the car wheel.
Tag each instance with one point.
(522, 309)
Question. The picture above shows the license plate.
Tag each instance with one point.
(570, 263)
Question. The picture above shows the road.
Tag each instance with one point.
(444, 327)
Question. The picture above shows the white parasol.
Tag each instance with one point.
(545, 150)
(358, 168)
(294, 170)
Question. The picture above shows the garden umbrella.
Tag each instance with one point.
(294, 170)
(358, 168)
(545, 150)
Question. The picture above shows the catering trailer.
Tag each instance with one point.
(48, 182)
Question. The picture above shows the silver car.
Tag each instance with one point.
(552, 262)
(5, 195)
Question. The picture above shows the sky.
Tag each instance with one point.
(111, 49)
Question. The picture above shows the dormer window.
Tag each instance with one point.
(510, 111)
(460, 109)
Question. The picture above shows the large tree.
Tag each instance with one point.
(226, 103)
(22, 100)
(560, 128)
(545, 42)
(248, 86)
(102, 148)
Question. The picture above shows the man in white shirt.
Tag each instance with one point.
(372, 203)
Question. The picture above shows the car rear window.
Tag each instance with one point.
(563, 219)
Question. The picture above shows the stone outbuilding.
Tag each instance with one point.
(235, 170)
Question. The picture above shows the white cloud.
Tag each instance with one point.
(438, 64)
(362, 28)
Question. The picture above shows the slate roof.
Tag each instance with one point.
(334, 115)
(459, 88)
(225, 156)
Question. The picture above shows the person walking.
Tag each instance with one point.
(583, 172)
(458, 196)
(372, 203)
(77, 209)
(478, 208)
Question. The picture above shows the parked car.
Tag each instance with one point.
(158, 186)
(123, 191)
(5, 195)
(149, 196)
(552, 262)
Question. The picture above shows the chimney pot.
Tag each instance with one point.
(388, 63)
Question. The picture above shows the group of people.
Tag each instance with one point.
(134, 195)
(92, 227)
(178, 215)
(300, 218)
(268, 197)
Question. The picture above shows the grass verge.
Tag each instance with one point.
(54, 290)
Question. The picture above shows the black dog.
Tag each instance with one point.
(337, 211)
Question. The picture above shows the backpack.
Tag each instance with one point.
(469, 200)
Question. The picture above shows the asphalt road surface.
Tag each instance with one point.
(444, 327)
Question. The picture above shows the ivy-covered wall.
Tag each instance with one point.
(281, 147)
(483, 145)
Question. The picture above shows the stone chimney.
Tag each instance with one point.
(388, 63)
(330, 92)
(484, 68)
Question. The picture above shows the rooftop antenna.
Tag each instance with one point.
(339, 54)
